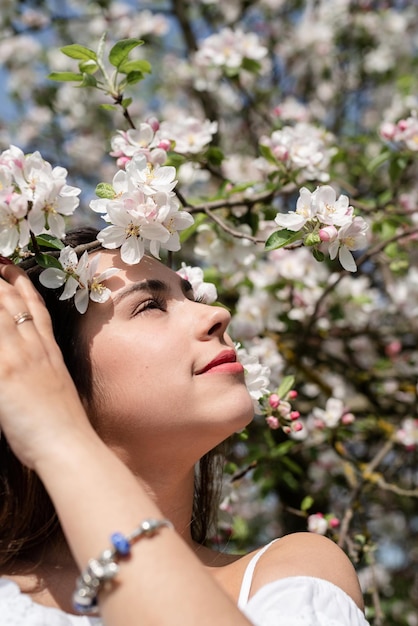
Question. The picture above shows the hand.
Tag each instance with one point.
(39, 404)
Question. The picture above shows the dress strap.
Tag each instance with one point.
(247, 579)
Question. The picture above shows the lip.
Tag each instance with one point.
(226, 362)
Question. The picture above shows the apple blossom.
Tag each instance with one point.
(130, 229)
(134, 142)
(352, 236)
(202, 291)
(332, 415)
(150, 179)
(317, 524)
(14, 228)
(189, 134)
(228, 49)
(303, 149)
(256, 376)
(407, 434)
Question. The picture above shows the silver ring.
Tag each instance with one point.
(24, 316)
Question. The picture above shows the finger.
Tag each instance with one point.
(18, 296)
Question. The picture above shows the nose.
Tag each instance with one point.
(213, 320)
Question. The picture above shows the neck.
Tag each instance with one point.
(173, 492)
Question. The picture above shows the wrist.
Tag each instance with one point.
(64, 447)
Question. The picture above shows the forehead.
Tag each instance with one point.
(148, 269)
(100, 315)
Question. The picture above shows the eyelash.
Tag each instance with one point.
(156, 302)
(159, 303)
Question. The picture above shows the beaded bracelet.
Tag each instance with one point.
(103, 569)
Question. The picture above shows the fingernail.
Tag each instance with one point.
(5, 261)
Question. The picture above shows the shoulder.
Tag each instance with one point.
(310, 555)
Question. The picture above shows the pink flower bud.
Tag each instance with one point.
(334, 522)
(154, 123)
(402, 124)
(281, 153)
(393, 348)
(328, 233)
(297, 427)
(272, 422)
(317, 523)
(292, 394)
(274, 400)
(284, 409)
(347, 418)
(164, 144)
(122, 162)
(294, 415)
(387, 130)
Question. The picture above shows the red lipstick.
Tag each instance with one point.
(226, 362)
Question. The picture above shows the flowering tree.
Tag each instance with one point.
(276, 143)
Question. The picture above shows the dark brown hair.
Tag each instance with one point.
(28, 521)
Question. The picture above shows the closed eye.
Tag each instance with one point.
(156, 302)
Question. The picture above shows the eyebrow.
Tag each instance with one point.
(150, 286)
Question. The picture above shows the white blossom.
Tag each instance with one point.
(79, 277)
(257, 376)
(202, 291)
(352, 236)
(189, 134)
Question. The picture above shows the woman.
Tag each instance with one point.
(157, 387)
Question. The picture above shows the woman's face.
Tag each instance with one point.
(165, 374)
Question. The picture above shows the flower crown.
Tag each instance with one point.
(140, 208)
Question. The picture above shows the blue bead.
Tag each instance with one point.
(120, 543)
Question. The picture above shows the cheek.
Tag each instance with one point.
(125, 384)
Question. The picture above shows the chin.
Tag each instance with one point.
(241, 414)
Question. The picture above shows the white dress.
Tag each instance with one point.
(295, 601)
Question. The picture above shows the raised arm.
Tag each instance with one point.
(94, 493)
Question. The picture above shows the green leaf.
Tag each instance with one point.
(135, 66)
(285, 386)
(47, 260)
(281, 238)
(306, 503)
(105, 190)
(49, 241)
(378, 161)
(134, 77)
(88, 81)
(215, 155)
(121, 50)
(318, 255)
(282, 449)
(75, 51)
(65, 76)
(250, 65)
(396, 167)
(108, 107)
(126, 102)
(88, 67)
(101, 49)
(266, 152)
